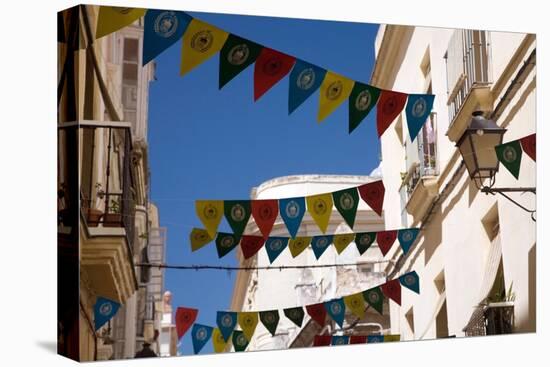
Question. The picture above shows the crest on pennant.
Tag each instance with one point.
(238, 54)
(166, 24)
(365, 239)
(272, 66)
(419, 107)
(292, 209)
(227, 241)
(202, 41)
(201, 333)
(334, 90)
(363, 100)
(320, 206)
(346, 201)
(106, 308)
(210, 211)
(306, 79)
(390, 105)
(276, 244)
(237, 212)
(407, 235)
(509, 154)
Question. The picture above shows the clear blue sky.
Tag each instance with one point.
(211, 144)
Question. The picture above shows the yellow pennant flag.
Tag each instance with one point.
(210, 212)
(392, 338)
(199, 237)
(334, 90)
(298, 245)
(320, 208)
(112, 18)
(356, 304)
(341, 241)
(218, 341)
(248, 322)
(200, 42)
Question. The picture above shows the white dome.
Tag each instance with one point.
(377, 172)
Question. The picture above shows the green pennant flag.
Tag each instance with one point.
(270, 319)
(510, 156)
(236, 55)
(239, 341)
(375, 298)
(362, 99)
(295, 314)
(346, 202)
(364, 240)
(225, 242)
(237, 213)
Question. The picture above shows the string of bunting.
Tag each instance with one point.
(201, 41)
(227, 321)
(510, 154)
(325, 340)
(274, 246)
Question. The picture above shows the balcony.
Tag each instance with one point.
(468, 61)
(492, 319)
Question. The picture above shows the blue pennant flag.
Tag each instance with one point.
(418, 109)
(292, 211)
(339, 340)
(274, 246)
(200, 335)
(406, 238)
(226, 322)
(336, 308)
(319, 244)
(104, 310)
(161, 30)
(305, 78)
(411, 281)
(375, 338)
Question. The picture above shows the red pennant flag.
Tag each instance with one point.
(385, 240)
(392, 289)
(390, 105)
(264, 213)
(529, 146)
(373, 194)
(322, 340)
(251, 244)
(317, 312)
(185, 317)
(357, 339)
(271, 66)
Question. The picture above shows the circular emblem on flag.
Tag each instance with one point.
(202, 41)
(419, 107)
(346, 201)
(201, 333)
(227, 241)
(220, 338)
(237, 212)
(210, 211)
(334, 90)
(319, 206)
(105, 309)
(365, 239)
(407, 235)
(166, 24)
(306, 78)
(266, 212)
(335, 308)
(298, 243)
(241, 340)
(374, 297)
(120, 10)
(227, 320)
(276, 245)
(272, 66)
(269, 318)
(390, 105)
(200, 236)
(339, 341)
(509, 154)
(321, 242)
(410, 279)
(292, 209)
(248, 321)
(238, 54)
(363, 100)
(294, 313)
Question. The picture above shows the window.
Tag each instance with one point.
(130, 67)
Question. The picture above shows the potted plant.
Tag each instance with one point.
(113, 217)
(93, 215)
(499, 312)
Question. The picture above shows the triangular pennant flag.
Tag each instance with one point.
(225, 242)
(200, 42)
(372, 193)
(375, 339)
(317, 312)
(335, 89)
(236, 55)
(295, 314)
(240, 342)
(185, 317)
(385, 240)
(392, 338)
(200, 336)
(298, 245)
(198, 238)
(336, 308)
(374, 298)
(226, 321)
(274, 246)
(509, 154)
(341, 241)
(112, 18)
(250, 245)
(271, 66)
(364, 240)
(346, 202)
(270, 319)
(407, 237)
(392, 289)
(529, 146)
(356, 304)
(237, 213)
(292, 211)
(320, 208)
(304, 79)
(210, 212)
(418, 109)
(340, 340)
(265, 213)
(218, 341)
(357, 339)
(321, 340)
(319, 244)
(248, 321)
(161, 30)
(104, 310)
(390, 105)
(362, 99)
(411, 281)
